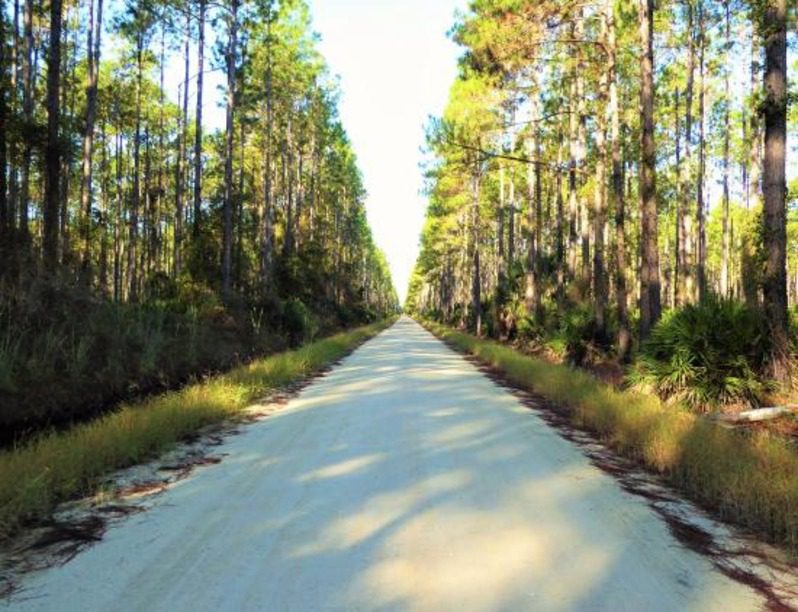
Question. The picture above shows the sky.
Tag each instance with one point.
(396, 65)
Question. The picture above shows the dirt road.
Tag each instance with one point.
(403, 480)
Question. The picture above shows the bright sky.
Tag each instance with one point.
(396, 65)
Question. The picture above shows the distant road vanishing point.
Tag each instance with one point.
(403, 480)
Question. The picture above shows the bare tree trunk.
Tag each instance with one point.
(198, 120)
(581, 134)
(500, 252)
(239, 200)
(684, 265)
(624, 339)
(67, 112)
(227, 221)
(755, 127)
(288, 242)
(104, 211)
(573, 166)
(27, 111)
(52, 191)
(162, 261)
(532, 295)
(266, 238)
(560, 230)
(599, 202)
(132, 264)
(511, 221)
(650, 305)
(679, 246)
(93, 50)
(774, 34)
(725, 286)
(4, 224)
(701, 274)
(13, 186)
(476, 284)
(182, 139)
(150, 244)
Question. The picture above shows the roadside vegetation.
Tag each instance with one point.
(67, 355)
(139, 246)
(54, 467)
(603, 192)
(750, 479)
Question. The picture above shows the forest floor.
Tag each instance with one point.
(408, 479)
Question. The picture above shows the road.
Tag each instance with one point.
(403, 480)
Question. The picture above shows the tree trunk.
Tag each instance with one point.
(599, 202)
(182, 139)
(198, 120)
(560, 230)
(13, 186)
(511, 221)
(476, 284)
(4, 224)
(624, 339)
(684, 263)
(104, 212)
(52, 191)
(27, 111)
(725, 286)
(500, 252)
(701, 274)
(118, 221)
(532, 295)
(266, 233)
(581, 135)
(132, 264)
(67, 107)
(573, 165)
(227, 212)
(755, 128)
(650, 306)
(93, 49)
(774, 34)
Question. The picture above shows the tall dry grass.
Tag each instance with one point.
(54, 467)
(749, 479)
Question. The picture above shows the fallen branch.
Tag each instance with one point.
(759, 414)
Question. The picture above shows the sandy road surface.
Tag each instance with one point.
(404, 480)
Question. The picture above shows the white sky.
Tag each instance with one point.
(396, 65)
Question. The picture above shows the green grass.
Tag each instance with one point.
(749, 479)
(55, 467)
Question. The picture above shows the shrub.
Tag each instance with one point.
(66, 354)
(300, 323)
(528, 330)
(578, 330)
(706, 355)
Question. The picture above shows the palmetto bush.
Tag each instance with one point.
(706, 355)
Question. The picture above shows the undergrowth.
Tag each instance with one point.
(53, 467)
(706, 355)
(750, 479)
(67, 354)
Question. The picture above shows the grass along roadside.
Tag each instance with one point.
(54, 467)
(748, 479)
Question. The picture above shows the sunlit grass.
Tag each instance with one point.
(750, 479)
(58, 466)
